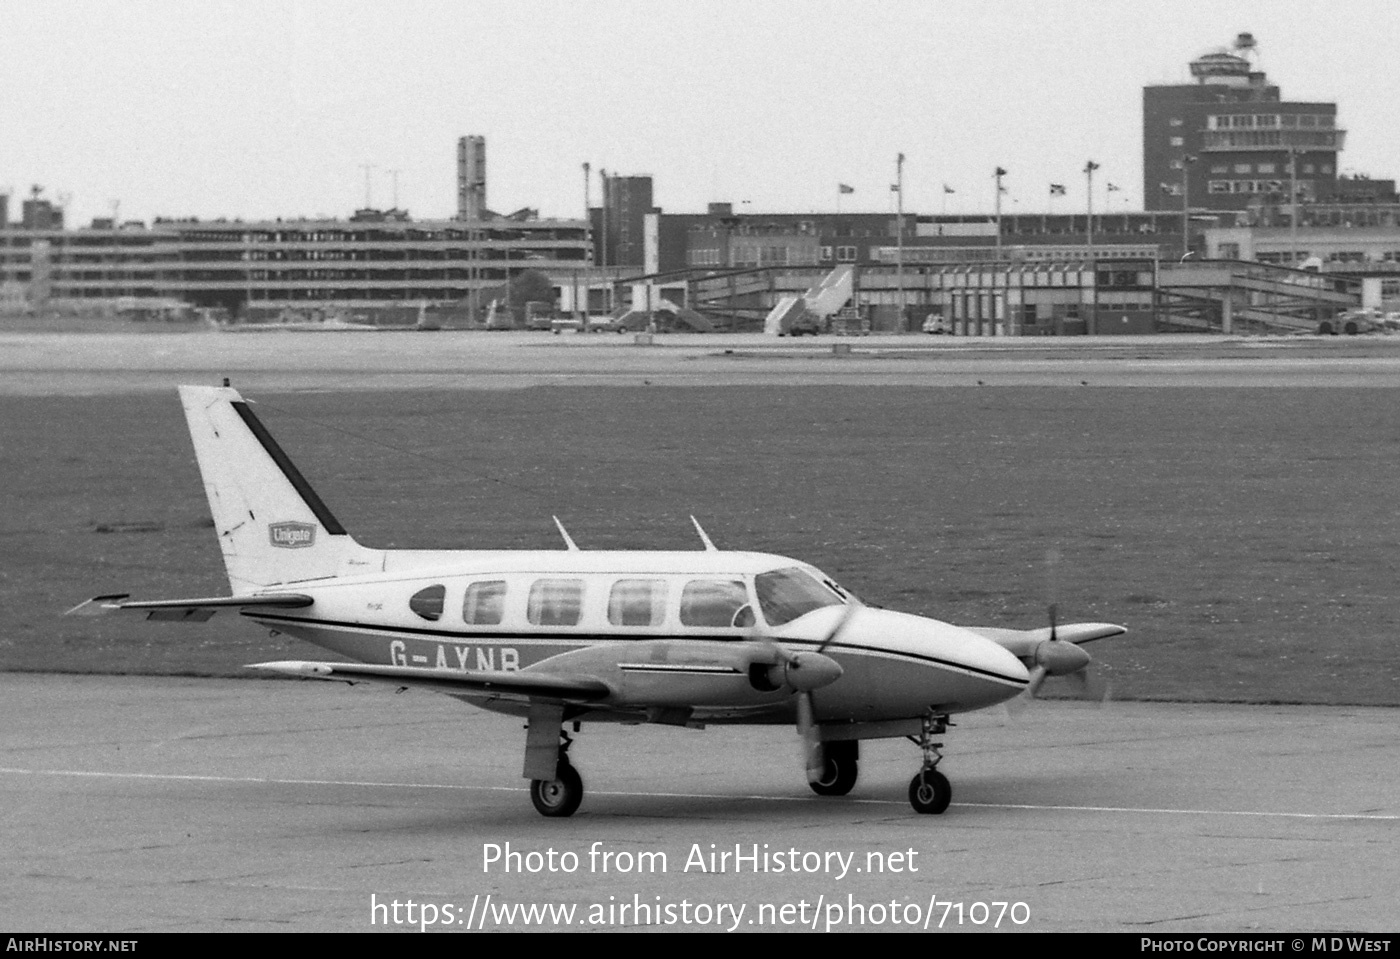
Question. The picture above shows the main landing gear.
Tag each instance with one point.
(840, 768)
(930, 791)
(556, 788)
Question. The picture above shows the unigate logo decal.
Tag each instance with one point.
(292, 535)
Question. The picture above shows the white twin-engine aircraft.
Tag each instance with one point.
(569, 636)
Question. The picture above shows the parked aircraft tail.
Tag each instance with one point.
(272, 526)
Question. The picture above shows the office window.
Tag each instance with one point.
(1268, 168)
(1241, 167)
(1178, 141)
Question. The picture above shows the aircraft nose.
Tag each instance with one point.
(961, 670)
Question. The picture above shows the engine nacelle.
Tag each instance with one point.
(1060, 658)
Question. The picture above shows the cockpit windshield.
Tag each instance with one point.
(785, 594)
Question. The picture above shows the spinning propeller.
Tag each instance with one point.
(803, 673)
(1058, 657)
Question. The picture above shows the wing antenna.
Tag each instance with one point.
(568, 540)
(709, 544)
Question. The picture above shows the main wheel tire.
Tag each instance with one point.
(840, 768)
(559, 796)
(930, 792)
(839, 774)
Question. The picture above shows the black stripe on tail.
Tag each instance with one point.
(323, 514)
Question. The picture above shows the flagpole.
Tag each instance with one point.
(1089, 169)
(999, 174)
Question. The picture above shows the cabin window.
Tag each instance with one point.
(785, 594)
(555, 602)
(484, 604)
(427, 602)
(637, 602)
(716, 603)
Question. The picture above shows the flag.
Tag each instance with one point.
(1057, 189)
(843, 188)
(948, 189)
(894, 187)
(1000, 172)
(1090, 167)
(1112, 188)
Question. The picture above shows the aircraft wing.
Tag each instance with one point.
(1022, 642)
(525, 683)
(186, 610)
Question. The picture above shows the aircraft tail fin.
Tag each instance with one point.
(272, 526)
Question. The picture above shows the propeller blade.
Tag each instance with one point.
(846, 614)
(1037, 677)
(1090, 685)
(811, 743)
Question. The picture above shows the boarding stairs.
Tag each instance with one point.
(813, 309)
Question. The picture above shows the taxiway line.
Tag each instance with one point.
(189, 777)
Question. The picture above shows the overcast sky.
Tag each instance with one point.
(263, 109)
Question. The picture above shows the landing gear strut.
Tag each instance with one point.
(556, 788)
(930, 791)
(840, 768)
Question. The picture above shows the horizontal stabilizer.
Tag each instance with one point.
(525, 683)
(1023, 642)
(186, 610)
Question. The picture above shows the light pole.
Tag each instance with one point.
(1293, 217)
(899, 240)
(582, 310)
(1186, 162)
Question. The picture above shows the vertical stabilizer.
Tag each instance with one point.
(272, 526)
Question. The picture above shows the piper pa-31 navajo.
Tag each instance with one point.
(563, 637)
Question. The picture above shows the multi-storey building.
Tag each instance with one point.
(1230, 138)
(720, 238)
(269, 266)
(619, 225)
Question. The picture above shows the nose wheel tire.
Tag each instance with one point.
(560, 796)
(930, 792)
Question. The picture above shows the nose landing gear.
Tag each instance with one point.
(930, 791)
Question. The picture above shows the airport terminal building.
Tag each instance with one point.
(1232, 172)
